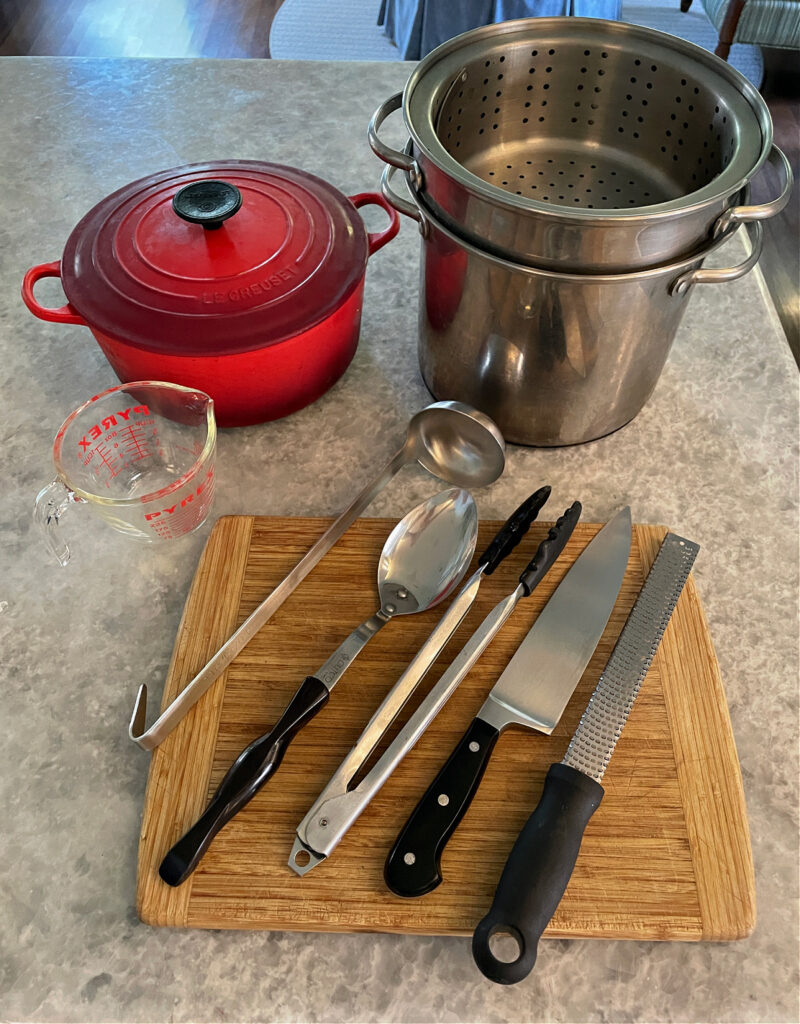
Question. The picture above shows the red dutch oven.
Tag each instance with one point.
(242, 279)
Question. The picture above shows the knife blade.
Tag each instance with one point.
(532, 692)
(336, 809)
(540, 864)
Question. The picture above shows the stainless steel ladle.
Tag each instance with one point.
(423, 559)
(451, 440)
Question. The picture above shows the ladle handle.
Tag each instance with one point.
(513, 530)
(251, 625)
(256, 764)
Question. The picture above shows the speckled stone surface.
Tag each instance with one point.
(713, 455)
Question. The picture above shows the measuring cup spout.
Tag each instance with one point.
(50, 505)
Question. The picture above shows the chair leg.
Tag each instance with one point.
(685, 5)
(728, 28)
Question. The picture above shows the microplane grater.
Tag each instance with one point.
(602, 722)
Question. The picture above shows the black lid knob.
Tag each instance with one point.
(207, 202)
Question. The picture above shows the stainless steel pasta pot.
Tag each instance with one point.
(553, 358)
(582, 145)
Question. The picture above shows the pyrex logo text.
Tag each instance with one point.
(185, 501)
(109, 422)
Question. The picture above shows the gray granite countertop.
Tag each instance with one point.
(713, 455)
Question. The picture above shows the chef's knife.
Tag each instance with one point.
(335, 809)
(533, 691)
(540, 864)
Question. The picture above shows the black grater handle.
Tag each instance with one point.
(537, 872)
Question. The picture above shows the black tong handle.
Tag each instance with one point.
(248, 773)
(413, 866)
(513, 530)
(550, 548)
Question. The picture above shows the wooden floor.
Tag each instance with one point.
(240, 28)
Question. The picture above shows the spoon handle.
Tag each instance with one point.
(248, 773)
(349, 649)
(194, 690)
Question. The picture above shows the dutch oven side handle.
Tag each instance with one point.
(63, 314)
(377, 239)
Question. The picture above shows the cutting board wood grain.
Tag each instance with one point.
(666, 856)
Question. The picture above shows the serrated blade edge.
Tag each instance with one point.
(611, 702)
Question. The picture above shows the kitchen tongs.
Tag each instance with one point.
(337, 808)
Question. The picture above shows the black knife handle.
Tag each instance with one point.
(550, 548)
(434, 819)
(248, 773)
(537, 872)
(513, 530)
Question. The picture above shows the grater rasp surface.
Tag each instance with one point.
(602, 722)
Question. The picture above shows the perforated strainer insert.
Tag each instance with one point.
(606, 119)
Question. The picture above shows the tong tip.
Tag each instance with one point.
(297, 858)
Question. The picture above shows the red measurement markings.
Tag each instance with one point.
(108, 459)
(134, 443)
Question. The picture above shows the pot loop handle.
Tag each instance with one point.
(377, 239)
(402, 205)
(392, 156)
(700, 276)
(61, 315)
(745, 214)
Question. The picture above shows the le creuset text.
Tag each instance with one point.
(247, 291)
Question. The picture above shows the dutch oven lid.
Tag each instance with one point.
(215, 258)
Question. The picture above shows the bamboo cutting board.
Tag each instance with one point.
(666, 856)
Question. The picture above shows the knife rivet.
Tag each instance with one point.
(443, 799)
(323, 822)
(474, 747)
(409, 859)
(402, 593)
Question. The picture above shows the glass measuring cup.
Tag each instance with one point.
(141, 456)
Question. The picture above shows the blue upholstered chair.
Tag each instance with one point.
(760, 22)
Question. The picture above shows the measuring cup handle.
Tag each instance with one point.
(50, 505)
(63, 314)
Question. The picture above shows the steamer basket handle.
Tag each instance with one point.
(744, 214)
(391, 156)
(701, 276)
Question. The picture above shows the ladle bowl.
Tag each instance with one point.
(457, 443)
